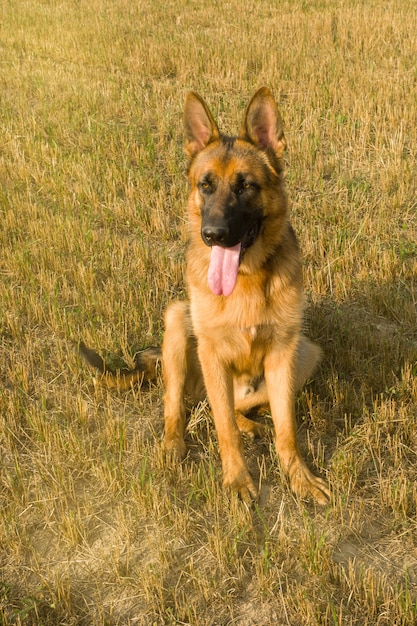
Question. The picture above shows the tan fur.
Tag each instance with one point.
(248, 346)
(245, 350)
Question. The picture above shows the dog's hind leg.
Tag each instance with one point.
(176, 347)
(308, 357)
(247, 398)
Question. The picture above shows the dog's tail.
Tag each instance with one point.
(145, 370)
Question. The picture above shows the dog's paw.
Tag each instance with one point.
(249, 494)
(306, 485)
(175, 449)
(243, 485)
(257, 431)
(249, 427)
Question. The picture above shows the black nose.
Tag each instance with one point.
(215, 235)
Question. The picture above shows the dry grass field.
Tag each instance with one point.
(94, 528)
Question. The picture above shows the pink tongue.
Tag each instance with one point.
(222, 273)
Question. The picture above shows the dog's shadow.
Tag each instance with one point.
(369, 347)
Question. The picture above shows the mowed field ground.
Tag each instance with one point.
(94, 528)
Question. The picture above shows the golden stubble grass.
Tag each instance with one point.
(94, 527)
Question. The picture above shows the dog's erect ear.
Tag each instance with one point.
(262, 123)
(199, 125)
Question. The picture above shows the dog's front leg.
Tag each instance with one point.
(280, 376)
(219, 385)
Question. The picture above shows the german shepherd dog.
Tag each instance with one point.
(238, 338)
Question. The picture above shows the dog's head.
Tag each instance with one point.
(236, 181)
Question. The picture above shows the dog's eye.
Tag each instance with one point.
(245, 186)
(205, 186)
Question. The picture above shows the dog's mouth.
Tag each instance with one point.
(250, 238)
(224, 262)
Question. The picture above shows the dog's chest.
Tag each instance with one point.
(250, 333)
(249, 346)
(247, 342)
